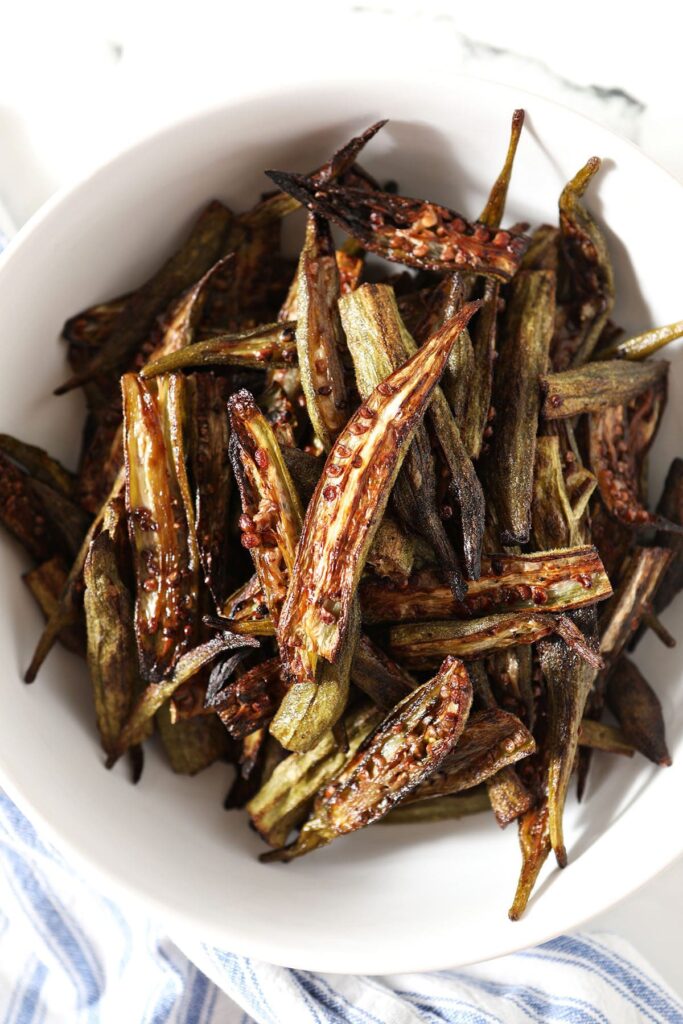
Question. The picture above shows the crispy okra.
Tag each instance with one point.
(407, 746)
(412, 485)
(347, 506)
(407, 231)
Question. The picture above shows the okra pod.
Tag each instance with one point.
(211, 478)
(46, 583)
(112, 656)
(569, 679)
(155, 695)
(522, 359)
(671, 508)
(193, 744)
(272, 516)
(348, 504)
(640, 346)
(39, 465)
(207, 242)
(160, 523)
(406, 230)
(492, 740)
(379, 345)
(638, 711)
(259, 348)
(597, 385)
(425, 643)
(319, 335)
(284, 800)
(601, 736)
(445, 808)
(250, 702)
(534, 841)
(550, 581)
(589, 270)
(618, 444)
(561, 492)
(406, 747)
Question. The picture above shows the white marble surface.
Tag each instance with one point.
(78, 81)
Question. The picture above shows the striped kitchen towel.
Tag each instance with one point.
(69, 954)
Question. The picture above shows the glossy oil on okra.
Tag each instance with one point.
(309, 480)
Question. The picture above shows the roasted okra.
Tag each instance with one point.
(382, 541)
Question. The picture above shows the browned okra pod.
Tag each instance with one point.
(406, 230)
(638, 711)
(492, 740)
(406, 747)
(422, 644)
(550, 581)
(160, 523)
(353, 492)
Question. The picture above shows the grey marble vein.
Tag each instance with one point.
(612, 105)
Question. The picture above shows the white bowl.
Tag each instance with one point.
(389, 898)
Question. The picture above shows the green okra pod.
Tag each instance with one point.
(476, 356)
(522, 359)
(156, 694)
(569, 679)
(207, 242)
(379, 344)
(319, 334)
(39, 465)
(46, 583)
(561, 492)
(425, 643)
(192, 744)
(112, 656)
(160, 523)
(209, 435)
(640, 346)
(534, 841)
(590, 279)
(280, 204)
(671, 508)
(284, 800)
(595, 386)
(250, 702)
(601, 736)
(548, 581)
(373, 672)
(258, 348)
(508, 796)
(621, 616)
(444, 808)
(618, 443)
(272, 516)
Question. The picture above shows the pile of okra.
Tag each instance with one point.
(375, 533)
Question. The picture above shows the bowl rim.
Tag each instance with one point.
(180, 922)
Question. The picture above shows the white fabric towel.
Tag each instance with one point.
(68, 954)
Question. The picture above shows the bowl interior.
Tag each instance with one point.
(389, 898)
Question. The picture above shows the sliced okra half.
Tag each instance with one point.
(406, 747)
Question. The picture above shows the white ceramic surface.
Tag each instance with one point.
(387, 899)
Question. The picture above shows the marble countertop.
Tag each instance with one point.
(78, 81)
